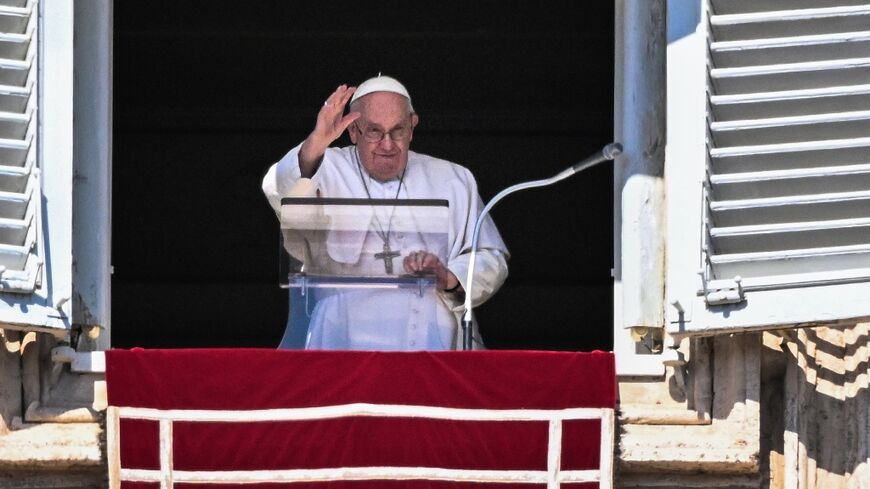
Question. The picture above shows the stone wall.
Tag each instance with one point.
(789, 410)
(51, 434)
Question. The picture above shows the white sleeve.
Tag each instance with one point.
(490, 272)
(490, 269)
(281, 178)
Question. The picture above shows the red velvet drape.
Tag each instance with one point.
(249, 379)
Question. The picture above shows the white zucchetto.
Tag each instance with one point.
(381, 83)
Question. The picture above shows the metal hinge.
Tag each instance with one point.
(720, 292)
(724, 292)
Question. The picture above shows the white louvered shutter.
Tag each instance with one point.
(34, 209)
(785, 219)
(20, 220)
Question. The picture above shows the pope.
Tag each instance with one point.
(380, 121)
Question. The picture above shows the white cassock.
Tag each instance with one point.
(398, 319)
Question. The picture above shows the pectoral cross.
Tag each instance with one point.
(387, 256)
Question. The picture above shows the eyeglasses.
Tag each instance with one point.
(376, 135)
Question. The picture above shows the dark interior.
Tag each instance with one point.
(209, 94)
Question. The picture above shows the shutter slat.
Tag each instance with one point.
(793, 155)
(782, 16)
(15, 99)
(791, 76)
(14, 230)
(814, 207)
(794, 235)
(793, 148)
(768, 282)
(798, 128)
(16, 19)
(799, 261)
(14, 205)
(14, 46)
(14, 126)
(13, 3)
(799, 49)
(788, 177)
(787, 23)
(790, 103)
(19, 183)
(797, 120)
(785, 183)
(735, 7)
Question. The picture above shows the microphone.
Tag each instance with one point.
(607, 153)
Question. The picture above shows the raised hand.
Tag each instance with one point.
(331, 123)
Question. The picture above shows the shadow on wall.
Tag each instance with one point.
(815, 409)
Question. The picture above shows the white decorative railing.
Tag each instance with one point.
(167, 476)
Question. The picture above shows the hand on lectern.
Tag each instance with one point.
(422, 262)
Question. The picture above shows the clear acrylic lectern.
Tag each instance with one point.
(343, 261)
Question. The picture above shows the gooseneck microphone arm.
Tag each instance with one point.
(609, 152)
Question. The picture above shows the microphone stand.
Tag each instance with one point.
(609, 152)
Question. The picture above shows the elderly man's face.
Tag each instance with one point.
(383, 133)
